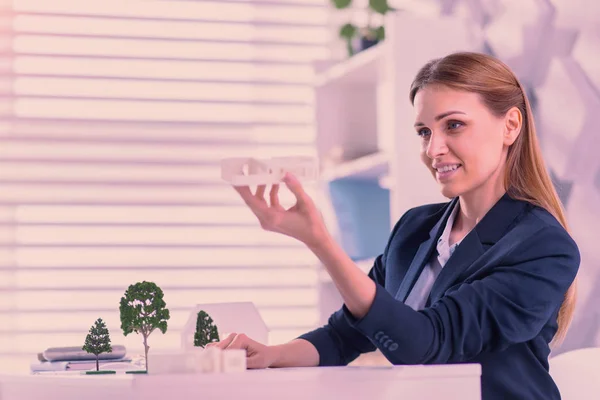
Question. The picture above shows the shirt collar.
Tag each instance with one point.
(444, 240)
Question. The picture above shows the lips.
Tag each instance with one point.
(446, 172)
(441, 168)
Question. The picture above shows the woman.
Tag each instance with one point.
(486, 278)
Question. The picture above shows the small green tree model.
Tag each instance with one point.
(97, 341)
(142, 311)
(206, 331)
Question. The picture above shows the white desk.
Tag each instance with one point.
(400, 382)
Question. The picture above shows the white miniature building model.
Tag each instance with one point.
(237, 317)
(244, 171)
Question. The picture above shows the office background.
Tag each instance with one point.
(115, 115)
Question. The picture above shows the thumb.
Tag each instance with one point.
(254, 362)
(294, 185)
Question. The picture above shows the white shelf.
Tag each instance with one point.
(362, 68)
(372, 166)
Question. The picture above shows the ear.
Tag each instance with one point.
(513, 121)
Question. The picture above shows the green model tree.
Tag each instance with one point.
(206, 330)
(97, 341)
(143, 310)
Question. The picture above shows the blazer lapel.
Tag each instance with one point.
(416, 266)
(469, 250)
(493, 226)
(423, 254)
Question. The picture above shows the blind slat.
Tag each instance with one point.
(131, 215)
(159, 111)
(154, 152)
(183, 10)
(72, 322)
(43, 192)
(188, 70)
(119, 236)
(181, 133)
(128, 28)
(247, 277)
(163, 49)
(152, 256)
(178, 91)
(63, 300)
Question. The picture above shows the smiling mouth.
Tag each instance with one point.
(447, 168)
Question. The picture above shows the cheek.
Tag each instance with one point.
(423, 154)
(483, 148)
(426, 160)
(484, 157)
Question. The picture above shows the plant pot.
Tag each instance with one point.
(365, 43)
(361, 43)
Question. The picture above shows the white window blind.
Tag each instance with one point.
(114, 117)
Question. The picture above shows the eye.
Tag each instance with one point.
(452, 125)
(424, 132)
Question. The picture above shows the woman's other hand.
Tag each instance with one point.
(258, 355)
(303, 221)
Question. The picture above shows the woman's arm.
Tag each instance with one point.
(337, 343)
(355, 287)
(509, 305)
(297, 353)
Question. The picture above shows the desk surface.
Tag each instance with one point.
(406, 382)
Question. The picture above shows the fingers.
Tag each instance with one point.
(255, 358)
(240, 341)
(232, 341)
(246, 195)
(223, 343)
(296, 188)
(260, 192)
(274, 196)
(256, 202)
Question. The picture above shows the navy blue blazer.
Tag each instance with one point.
(495, 302)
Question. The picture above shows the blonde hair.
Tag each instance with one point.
(526, 177)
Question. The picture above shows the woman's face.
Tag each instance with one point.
(462, 143)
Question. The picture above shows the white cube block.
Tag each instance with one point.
(210, 360)
(233, 360)
(160, 363)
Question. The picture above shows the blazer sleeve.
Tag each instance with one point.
(510, 305)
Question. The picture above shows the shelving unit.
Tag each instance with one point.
(363, 68)
(372, 166)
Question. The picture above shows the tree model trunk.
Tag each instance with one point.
(146, 347)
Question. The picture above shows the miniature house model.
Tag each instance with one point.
(240, 317)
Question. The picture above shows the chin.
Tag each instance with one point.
(450, 191)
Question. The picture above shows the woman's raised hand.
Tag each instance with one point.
(303, 221)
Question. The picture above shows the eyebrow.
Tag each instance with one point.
(443, 115)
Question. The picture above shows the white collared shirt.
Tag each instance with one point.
(417, 298)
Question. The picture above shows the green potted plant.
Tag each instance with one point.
(361, 38)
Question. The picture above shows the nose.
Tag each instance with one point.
(436, 146)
